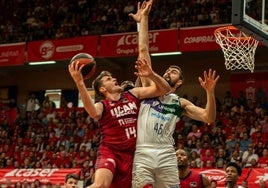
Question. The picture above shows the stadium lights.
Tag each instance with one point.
(42, 62)
(166, 53)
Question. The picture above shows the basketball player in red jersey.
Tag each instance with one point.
(117, 116)
(187, 177)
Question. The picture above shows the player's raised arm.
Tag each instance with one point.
(141, 17)
(75, 72)
(207, 114)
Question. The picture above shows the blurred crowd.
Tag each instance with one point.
(43, 136)
(28, 20)
(66, 137)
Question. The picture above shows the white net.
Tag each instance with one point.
(238, 48)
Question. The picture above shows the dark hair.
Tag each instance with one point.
(68, 176)
(179, 69)
(235, 165)
(97, 83)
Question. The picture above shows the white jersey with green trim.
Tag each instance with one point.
(157, 120)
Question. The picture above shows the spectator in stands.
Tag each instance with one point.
(9, 163)
(186, 175)
(264, 124)
(86, 172)
(220, 158)
(57, 185)
(179, 140)
(258, 148)
(236, 156)
(207, 138)
(230, 143)
(191, 141)
(228, 100)
(198, 147)
(260, 94)
(237, 110)
(85, 143)
(81, 157)
(3, 160)
(25, 183)
(32, 104)
(245, 142)
(194, 132)
(8, 184)
(18, 184)
(214, 183)
(233, 171)
(194, 159)
(71, 181)
(249, 157)
(47, 103)
(258, 135)
(207, 159)
(263, 159)
(33, 23)
(241, 99)
(48, 185)
(32, 185)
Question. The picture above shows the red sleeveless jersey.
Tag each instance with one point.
(118, 124)
(193, 179)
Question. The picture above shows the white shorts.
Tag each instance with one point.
(155, 166)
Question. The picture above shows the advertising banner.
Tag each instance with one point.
(61, 49)
(198, 39)
(53, 175)
(12, 54)
(125, 44)
(252, 176)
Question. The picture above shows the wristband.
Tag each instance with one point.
(138, 26)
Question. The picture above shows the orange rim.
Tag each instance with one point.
(232, 28)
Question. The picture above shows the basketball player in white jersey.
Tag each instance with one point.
(155, 162)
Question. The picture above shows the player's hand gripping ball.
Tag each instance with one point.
(89, 64)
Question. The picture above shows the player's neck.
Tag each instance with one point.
(173, 90)
(231, 185)
(183, 173)
(113, 96)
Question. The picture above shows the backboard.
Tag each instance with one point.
(251, 17)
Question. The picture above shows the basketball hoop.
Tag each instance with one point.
(238, 48)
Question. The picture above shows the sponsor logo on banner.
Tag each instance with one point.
(47, 49)
(61, 49)
(54, 175)
(215, 174)
(30, 172)
(12, 54)
(126, 44)
(253, 176)
(198, 39)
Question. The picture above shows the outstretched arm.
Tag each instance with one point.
(207, 114)
(141, 17)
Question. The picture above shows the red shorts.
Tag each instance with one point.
(119, 163)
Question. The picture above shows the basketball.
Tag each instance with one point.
(89, 64)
